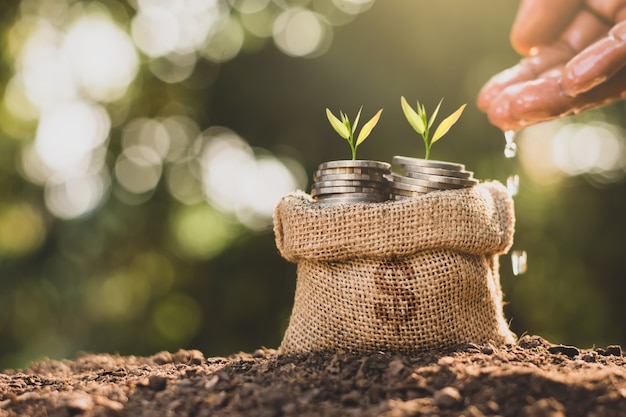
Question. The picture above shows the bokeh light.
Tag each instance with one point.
(101, 56)
(22, 229)
(554, 150)
(72, 59)
(160, 27)
(67, 135)
(77, 196)
(239, 182)
(301, 32)
(225, 41)
(201, 232)
(591, 148)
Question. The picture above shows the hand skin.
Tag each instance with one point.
(574, 59)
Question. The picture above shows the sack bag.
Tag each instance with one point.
(404, 275)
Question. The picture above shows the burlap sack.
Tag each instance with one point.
(400, 275)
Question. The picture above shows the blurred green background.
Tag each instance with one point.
(144, 144)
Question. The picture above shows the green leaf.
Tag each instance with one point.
(339, 127)
(421, 110)
(447, 123)
(412, 116)
(356, 120)
(367, 127)
(434, 116)
(346, 122)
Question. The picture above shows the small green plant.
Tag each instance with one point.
(422, 124)
(346, 129)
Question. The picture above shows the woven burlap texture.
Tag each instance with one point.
(402, 275)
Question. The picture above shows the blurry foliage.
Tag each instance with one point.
(163, 265)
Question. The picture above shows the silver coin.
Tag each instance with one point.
(348, 163)
(403, 160)
(442, 182)
(398, 197)
(350, 198)
(343, 190)
(464, 182)
(426, 183)
(399, 186)
(366, 171)
(407, 193)
(349, 177)
(351, 183)
(437, 171)
(333, 171)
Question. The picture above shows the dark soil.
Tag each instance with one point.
(530, 378)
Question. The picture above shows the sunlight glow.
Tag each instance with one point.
(300, 32)
(101, 56)
(555, 149)
(75, 197)
(594, 148)
(155, 31)
(138, 169)
(68, 133)
(225, 41)
(249, 6)
(74, 64)
(239, 182)
(353, 6)
(22, 229)
(160, 28)
(533, 143)
(174, 68)
(47, 77)
(201, 232)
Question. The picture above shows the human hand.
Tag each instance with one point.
(575, 59)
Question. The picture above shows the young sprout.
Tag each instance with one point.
(346, 129)
(422, 124)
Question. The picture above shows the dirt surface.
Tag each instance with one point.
(530, 378)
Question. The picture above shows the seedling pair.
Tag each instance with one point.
(418, 119)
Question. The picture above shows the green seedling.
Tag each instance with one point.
(346, 129)
(422, 124)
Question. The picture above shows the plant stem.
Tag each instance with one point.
(426, 144)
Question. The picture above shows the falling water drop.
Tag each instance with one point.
(509, 136)
(512, 185)
(510, 150)
(519, 261)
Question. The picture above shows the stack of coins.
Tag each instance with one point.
(422, 176)
(351, 181)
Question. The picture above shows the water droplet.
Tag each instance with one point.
(509, 136)
(512, 185)
(510, 150)
(519, 261)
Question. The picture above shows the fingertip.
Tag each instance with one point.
(541, 22)
(570, 83)
(500, 115)
(485, 96)
(595, 64)
(501, 81)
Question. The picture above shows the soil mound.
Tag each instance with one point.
(529, 378)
